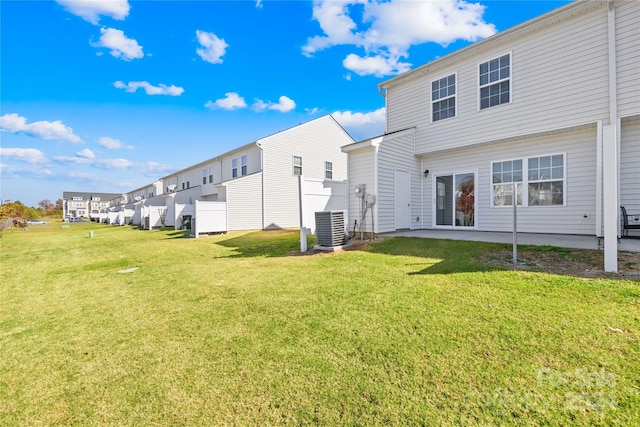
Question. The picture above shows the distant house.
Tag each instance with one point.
(256, 185)
(550, 107)
(78, 204)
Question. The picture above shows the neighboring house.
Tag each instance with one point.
(78, 204)
(551, 106)
(258, 182)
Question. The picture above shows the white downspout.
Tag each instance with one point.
(610, 155)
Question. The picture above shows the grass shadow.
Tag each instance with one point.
(271, 243)
(446, 256)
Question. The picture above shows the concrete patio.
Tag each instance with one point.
(560, 240)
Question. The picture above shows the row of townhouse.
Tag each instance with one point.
(547, 112)
(255, 186)
(84, 204)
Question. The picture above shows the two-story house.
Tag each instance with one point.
(258, 182)
(547, 112)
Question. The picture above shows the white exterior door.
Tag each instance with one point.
(403, 200)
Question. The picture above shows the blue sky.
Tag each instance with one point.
(109, 96)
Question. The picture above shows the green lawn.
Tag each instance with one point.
(233, 330)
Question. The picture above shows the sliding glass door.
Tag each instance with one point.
(455, 200)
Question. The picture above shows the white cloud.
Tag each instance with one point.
(259, 4)
(86, 153)
(213, 48)
(29, 155)
(112, 143)
(149, 89)
(231, 101)
(385, 30)
(312, 111)
(42, 129)
(378, 66)
(101, 163)
(284, 104)
(90, 10)
(121, 46)
(349, 118)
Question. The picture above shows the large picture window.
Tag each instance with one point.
(495, 82)
(539, 181)
(443, 98)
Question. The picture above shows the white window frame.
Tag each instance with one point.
(234, 167)
(204, 176)
(523, 192)
(243, 165)
(76, 198)
(508, 79)
(328, 170)
(447, 97)
(297, 168)
(210, 174)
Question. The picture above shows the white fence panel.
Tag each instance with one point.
(210, 217)
(321, 195)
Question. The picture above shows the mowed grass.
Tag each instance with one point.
(237, 330)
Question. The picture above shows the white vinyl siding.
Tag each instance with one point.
(319, 139)
(630, 166)
(628, 61)
(361, 171)
(544, 94)
(244, 203)
(396, 154)
(580, 175)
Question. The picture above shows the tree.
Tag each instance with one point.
(46, 205)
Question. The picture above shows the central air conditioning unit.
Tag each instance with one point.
(330, 228)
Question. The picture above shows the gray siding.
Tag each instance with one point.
(630, 166)
(579, 148)
(316, 141)
(628, 56)
(397, 154)
(244, 203)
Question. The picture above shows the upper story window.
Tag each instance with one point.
(495, 82)
(243, 165)
(297, 165)
(210, 174)
(234, 168)
(328, 170)
(97, 199)
(443, 98)
(76, 204)
(77, 198)
(204, 176)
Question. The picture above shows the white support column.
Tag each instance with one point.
(610, 189)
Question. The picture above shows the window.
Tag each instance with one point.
(243, 164)
(234, 168)
(297, 165)
(210, 174)
(76, 204)
(546, 180)
(328, 170)
(505, 174)
(495, 82)
(443, 98)
(97, 199)
(540, 184)
(204, 176)
(77, 198)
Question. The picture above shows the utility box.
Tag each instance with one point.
(330, 228)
